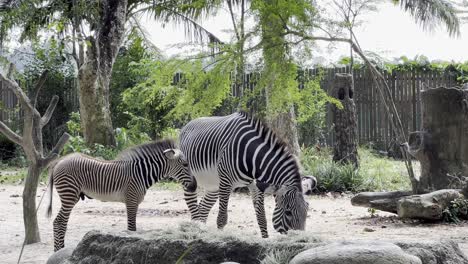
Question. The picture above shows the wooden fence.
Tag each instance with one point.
(373, 124)
(68, 102)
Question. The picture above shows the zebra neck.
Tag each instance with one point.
(149, 173)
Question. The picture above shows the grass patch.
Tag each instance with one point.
(12, 175)
(167, 185)
(376, 173)
(16, 175)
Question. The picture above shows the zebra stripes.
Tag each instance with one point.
(125, 179)
(234, 151)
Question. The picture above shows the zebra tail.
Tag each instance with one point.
(51, 188)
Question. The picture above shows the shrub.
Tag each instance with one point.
(374, 174)
(124, 139)
(457, 210)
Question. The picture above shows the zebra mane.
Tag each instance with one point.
(254, 120)
(151, 147)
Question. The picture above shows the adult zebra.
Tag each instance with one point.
(237, 150)
(125, 179)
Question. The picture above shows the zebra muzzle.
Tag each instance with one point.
(191, 187)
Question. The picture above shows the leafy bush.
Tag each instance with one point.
(124, 139)
(374, 174)
(457, 210)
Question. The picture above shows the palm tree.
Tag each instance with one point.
(430, 13)
(94, 31)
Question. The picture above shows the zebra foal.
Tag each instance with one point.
(125, 179)
(237, 150)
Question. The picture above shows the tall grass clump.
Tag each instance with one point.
(376, 173)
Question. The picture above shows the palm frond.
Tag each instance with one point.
(430, 13)
(186, 14)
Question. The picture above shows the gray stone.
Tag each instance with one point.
(60, 256)
(197, 244)
(445, 251)
(359, 252)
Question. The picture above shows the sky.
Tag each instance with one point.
(390, 32)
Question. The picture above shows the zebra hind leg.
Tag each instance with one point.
(204, 208)
(258, 198)
(61, 221)
(224, 193)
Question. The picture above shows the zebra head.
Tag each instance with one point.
(290, 210)
(179, 169)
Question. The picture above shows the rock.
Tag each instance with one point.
(196, 243)
(427, 206)
(60, 256)
(356, 253)
(446, 252)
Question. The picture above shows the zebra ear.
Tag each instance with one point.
(171, 153)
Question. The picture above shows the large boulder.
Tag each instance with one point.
(358, 252)
(446, 252)
(194, 243)
(429, 206)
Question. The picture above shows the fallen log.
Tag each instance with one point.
(383, 201)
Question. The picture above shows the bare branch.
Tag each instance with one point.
(56, 150)
(37, 88)
(14, 87)
(5, 130)
(50, 110)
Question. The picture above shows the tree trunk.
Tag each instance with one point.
(95, 73)
(31, 226)
(277, 75)
(94, 104)
(285, 126)
(442, 145)
(345, 149)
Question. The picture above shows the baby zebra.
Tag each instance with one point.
(124, 179)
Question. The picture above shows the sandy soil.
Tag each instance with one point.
(329, 218)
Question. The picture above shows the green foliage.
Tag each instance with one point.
(124, 139)
(159, 101)
(457, 210)
(372, 212)
(12, 174)
(374, 174)
(134, 51)
(279, 73)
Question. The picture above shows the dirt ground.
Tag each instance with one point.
(329, 218)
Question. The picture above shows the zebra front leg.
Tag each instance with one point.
(132, 209)
(258, 198)
(207, 202)
(192, 203)
(60, 224)
(224, 193)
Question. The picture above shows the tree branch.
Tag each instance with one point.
(40, 83)
(14, 87)
(15, 138)
(50, 110)
(56, 150)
